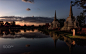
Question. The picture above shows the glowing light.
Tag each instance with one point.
(0, 15)
(73, 32)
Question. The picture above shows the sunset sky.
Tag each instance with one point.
(36, 8)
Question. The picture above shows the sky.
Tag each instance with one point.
(44, 8)
(38, 8)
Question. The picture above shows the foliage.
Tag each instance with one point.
(80, 3)
(81, 19)
(61, 21)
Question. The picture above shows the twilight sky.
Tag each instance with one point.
(43, 8)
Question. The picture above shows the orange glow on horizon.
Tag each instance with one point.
(25, 23)
(29, 23)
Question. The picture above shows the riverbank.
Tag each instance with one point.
(67, 34)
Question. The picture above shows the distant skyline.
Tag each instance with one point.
(28, 20)
(42, 8)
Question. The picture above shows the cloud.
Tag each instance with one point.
(10, 19)
(38, 19)
(28, 9)
(28, 19)
(29, 1)
(24, 0)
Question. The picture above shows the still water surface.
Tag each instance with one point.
(38, 42)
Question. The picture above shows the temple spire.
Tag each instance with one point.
(70, 13)
(55, 16)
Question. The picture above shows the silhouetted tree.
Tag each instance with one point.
(80, 3)
(39, 26)
(25, 25)
(32, 26)
(7, 24)
(1, 23)
(61, 21)
(81, 19)
(13, 22)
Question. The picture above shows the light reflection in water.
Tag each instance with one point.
(48, 44)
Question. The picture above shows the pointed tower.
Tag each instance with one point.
(55, 24)
(55, 16)
(68, 24)
(70, 13)
(70, 21)
(70, 18)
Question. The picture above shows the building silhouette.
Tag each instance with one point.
(70, 22)
(55, 24)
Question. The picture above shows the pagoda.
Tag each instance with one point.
(55, 24)
(70, 22)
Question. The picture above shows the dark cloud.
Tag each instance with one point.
(29, 1)
(28, 19)
(38, 19)
(28, 9)
(10, 19)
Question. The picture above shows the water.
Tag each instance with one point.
(38, 42)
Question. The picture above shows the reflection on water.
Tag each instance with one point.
(38, 42)
(70, 43)
(22, 33)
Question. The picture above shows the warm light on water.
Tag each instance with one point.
(39, 43)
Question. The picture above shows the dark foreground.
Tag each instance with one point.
(36, 42)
